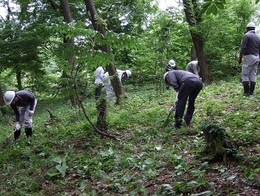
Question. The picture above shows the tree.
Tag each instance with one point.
(19, 51)
(20, 43)
(164, 39)
(193, 18)
(99, 26)
(224, 22)
(1, 96)
(70, 41)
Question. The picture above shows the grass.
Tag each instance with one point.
(149, 157)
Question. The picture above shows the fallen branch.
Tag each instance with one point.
(53, 119)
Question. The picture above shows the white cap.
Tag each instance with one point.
(250, 25)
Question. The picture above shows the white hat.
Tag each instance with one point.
(250, 25)
(9, 97)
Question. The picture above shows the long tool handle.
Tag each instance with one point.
(11, 134)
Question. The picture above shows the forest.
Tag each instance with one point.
(127, 145)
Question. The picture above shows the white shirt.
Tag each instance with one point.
(107, 83)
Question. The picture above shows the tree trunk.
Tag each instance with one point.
(198, 44)
(1, 97)
(68, 19)
(99, 26)
(193, 18)
(193, 54)
(219, 144)
(2, 103)
(102, 114)
(19, 79)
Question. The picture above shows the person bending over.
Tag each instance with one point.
(188, 86)
(23, 103)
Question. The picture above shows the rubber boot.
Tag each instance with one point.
(252, 88)
(28, 132)
(17, 134)
(187, 119)
(178, 122)
(246, 88)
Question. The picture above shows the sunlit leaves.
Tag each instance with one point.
(74, 29)
(213, 6)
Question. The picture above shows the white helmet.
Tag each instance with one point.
(250, 25)
(9, 96)
(128, 73)
(194, 63)
(172, 63)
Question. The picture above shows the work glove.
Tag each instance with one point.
(17, 126)
(239, 60)
(31, 112)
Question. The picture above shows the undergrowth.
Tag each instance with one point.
(148, 157)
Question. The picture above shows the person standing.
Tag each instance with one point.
(99, 72)
(23, 103)
(250, 52)
(188, 86)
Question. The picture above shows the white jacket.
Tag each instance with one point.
(107, 83)
(99, 72)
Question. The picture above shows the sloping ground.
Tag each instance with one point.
(149, 157)
(216, 179)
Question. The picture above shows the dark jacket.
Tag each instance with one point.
(25, 98)
(177, 77)
(250, 44)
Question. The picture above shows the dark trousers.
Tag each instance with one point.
(98, 90)
(189, 90)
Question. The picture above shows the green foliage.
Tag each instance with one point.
(218, 142)
(138, 42)
(19, 48)
(60, 168)
(164, 39)
(149, 157)
(226, 27)
(213, 6)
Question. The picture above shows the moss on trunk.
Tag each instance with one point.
(219, 144)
